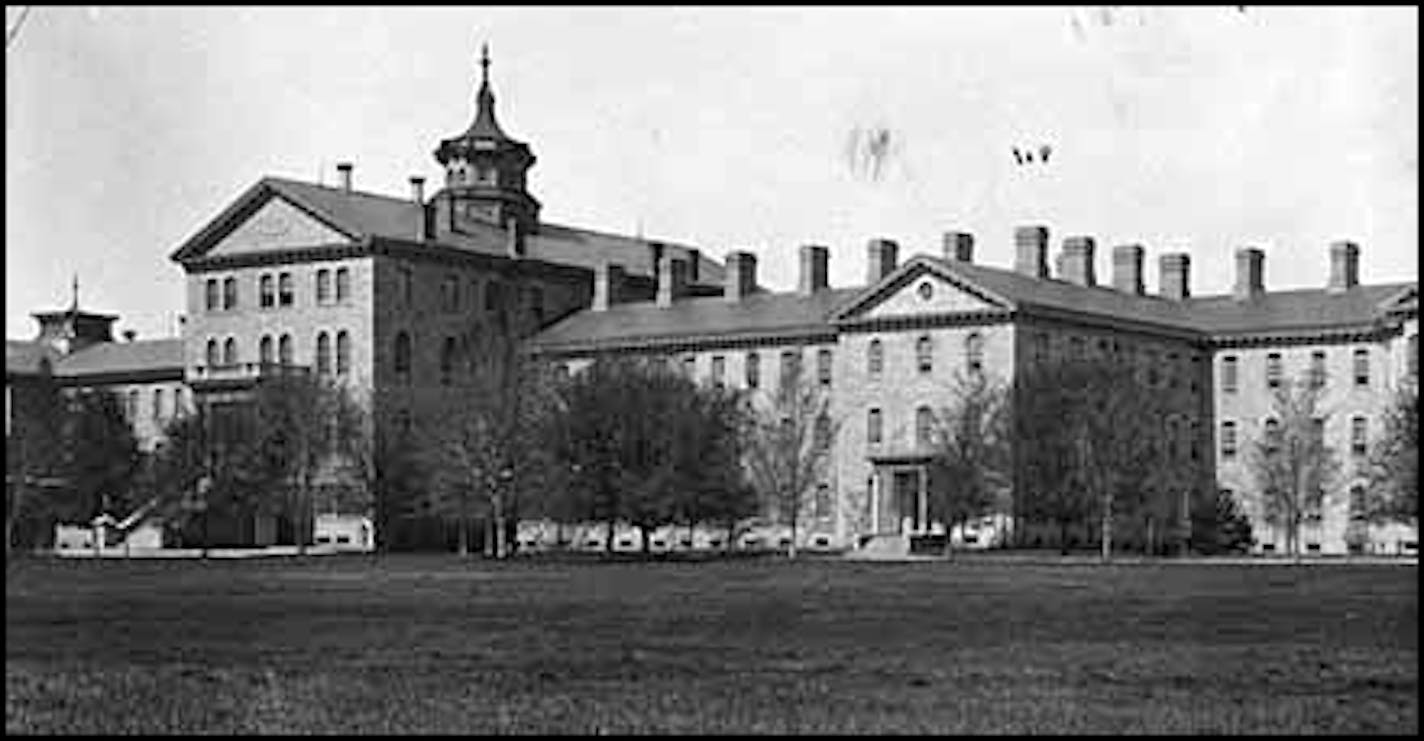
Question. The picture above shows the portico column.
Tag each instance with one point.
(874, 501)
(924, 502)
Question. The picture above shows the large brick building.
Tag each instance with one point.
(379, 291)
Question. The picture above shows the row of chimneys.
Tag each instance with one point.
(1074, 264)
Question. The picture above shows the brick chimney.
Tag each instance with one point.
(672, 280)
(1031, 251)
(815, 269)
(1078, 261)
(1344, 266)
(1127, 268)
(607, 286)
(740, 277)
(881, 255)
(959, 246)
(417, 198)
(1250, 270)
(1174, 272)
(343, 172)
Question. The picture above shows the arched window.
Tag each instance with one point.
(284, 349)
(875, 358)
(790, 368)
(323, 353)
(158, 403)
(924, 426)
(823, 366)
(874, 426)
(924, 353)
(212, 354)
(402, 353)
(284, 289)
(267, 295)
(450, 293)
(1358, 504)
(753, 370)
(1228, 439)
(1272, 432)
(133, 405)
(323, 286)
(1273, 370)
(974, 352)
(229, 293)
(211, 295)
(447, 359)
(343, 351)
(823, 431)
(343, 284)
(1359, 436)
(1228, 374)
(230, 351)
(264, 349)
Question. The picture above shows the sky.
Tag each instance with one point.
(1200, 129)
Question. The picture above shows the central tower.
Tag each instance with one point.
(485, 171)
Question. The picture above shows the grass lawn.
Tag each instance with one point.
(430, 644)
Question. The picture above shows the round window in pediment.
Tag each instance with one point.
(926, 291)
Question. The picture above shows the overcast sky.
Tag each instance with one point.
(1203, 129)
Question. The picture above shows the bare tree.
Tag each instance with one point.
(1393, 494)
(972, 464)
(788, 447)
(1291, 464)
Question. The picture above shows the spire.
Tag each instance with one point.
(485, 124)
(74, 299)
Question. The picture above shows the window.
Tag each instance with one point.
(719, 368)
(536, 305)
(402, 353)
(494, 295)
(1359, 506)
(284, 349)
(230, 351)
(1228, 374)
(343, 284)
(1075, 348)
(284, 289)
(1411, 357)
(472, 300)
(212, 356)
(1317, 368)
(1228, 439)
(1359, 435)
(823, 366)
(875, 358)
(1273, 370)
(343, 352)
(924, 353)
(753, 370)
(323, 286)
(212, 294)
(267, 297)
(1272, 435)
(264, 349)
(447, 359)
(823, 431)
(407, 286)
(689, 365)
(1362, 367)
(873, 426)
(790, 368)
(974, 353)
(450, 294)
(1040, 346)
(323, 353)
(158, 403)
(229, 293)
(924, 426)
(133, 406)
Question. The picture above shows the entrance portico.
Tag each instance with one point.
(899, 496)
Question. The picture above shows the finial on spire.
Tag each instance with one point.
(74, 287)
(484, 63)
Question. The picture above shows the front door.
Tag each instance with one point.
(908, 496)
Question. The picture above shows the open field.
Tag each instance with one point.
(430, 644)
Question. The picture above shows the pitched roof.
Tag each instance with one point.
(697, 318)
(123, 357)
(360, 215)
(22, 357)
(1310, 308)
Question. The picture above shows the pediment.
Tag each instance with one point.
(1405, 301)
(276, 224)
(921, 289)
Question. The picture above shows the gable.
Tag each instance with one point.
(277, 225)
(1405, 302)
(923, 292)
